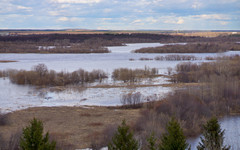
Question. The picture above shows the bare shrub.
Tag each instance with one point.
(145, 59)
(131, 59)
(192, 106)
(132, 100)
(108, 133)
(41, 69)
(133, 75)
(14, 141)
(40, 76)
(3, 119)
(61, 144)
(169, 69)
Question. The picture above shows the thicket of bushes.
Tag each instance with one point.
(41, 76)
(216, 94)
(169, 58)
(132, 100)
(192, 48)
(175, 57)
(133, 75)
(225, 68)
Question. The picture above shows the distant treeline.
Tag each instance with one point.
(171, 58)
(123, 38)
(175, 58)
(192, 48)
(91, 43)
(63, 46)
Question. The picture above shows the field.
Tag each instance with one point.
(169, 32)
(71, 127)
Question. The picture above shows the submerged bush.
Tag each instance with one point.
(133, 75)
(132, 100)
(175, 58)
(41, 76)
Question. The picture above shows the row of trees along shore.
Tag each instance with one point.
(204, 47)
(41, 76)
(97, 43)
(212, 138)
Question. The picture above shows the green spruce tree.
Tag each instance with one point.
(212, 136)
(174, 138)
(152, 142)
(32, 138)
(123, 139)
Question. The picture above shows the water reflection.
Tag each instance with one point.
(231, 125)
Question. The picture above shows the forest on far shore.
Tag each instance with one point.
(96, 43)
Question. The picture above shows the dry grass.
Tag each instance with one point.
(71, 127)
(205, 34)
(181, 85)
(193, 33)
(7, 61)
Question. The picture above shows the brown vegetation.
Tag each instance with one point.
(7, 61)
(133, 75)
(132, 100)
(145, 59)
(175, 58)
(64, 46)
(93, 43)
(226, 68)
(210, 47)
(69, 126)
(205, 33)
(215, 93)
(41, 76)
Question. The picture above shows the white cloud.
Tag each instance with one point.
(24, 8)
(142, 2)
(54, 13)
(157, 1)
(212, 16)
(77, 1)
(71, 19)
(63, 19)
(223, 23)
(76, 19)
(180, 21)
(105, 19)
(107, 10)
(173, 20)
(196, 5)
(227, 1)
(136, 21)
(9, 7)
(65, 5)
(151, 20)
(138, 11)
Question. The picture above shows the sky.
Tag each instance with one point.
(120, 14)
